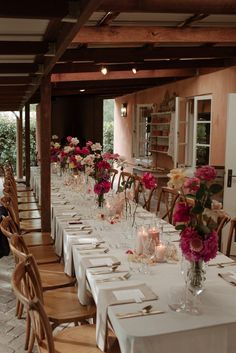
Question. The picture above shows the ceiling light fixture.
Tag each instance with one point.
(104, 70)
(82, 90)
(134, 70)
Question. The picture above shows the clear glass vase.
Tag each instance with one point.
(196, 276)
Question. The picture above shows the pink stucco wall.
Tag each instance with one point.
(219, 84)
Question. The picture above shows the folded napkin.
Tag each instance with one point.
(229, 277)
(90, 262)
(123, 295)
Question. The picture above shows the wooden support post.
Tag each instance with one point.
(27, 144)
(45, 140)
(19, 147)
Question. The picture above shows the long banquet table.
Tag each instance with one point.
(213, 331)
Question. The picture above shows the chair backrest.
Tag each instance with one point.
(23, 275)
(124, 181)
(113, 174)
(232, 232)
(142, 195)
(12, 209)
(166, 203)
(8, 227)
(221, 222)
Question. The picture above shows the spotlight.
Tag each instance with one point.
(82, 90)
(134, 70)
(104, 70)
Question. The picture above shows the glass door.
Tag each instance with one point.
(202, 130)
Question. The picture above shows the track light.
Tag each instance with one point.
(104, 70)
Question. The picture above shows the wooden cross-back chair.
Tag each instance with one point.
(27, 225)
(166, 203)
(231, 234)
(221, 223)
(141, 195)
(20, 199)
(61, 304)
(124, 181)
(42, 253)
(113, 174)
(78, 339)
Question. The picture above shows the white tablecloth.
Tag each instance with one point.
(213, 331)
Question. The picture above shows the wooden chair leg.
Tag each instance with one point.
(20, 311)
(31, 342)
(27, 331)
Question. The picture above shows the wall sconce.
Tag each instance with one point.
(123, 110)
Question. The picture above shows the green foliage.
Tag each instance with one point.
(8, 140)
(108, 125)
(108, 136)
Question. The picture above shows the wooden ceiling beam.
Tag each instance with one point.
(136, 34)
(64, 37)
(15, 81)
(172, 6)
(117, 55)
(155, 65)
(116, 83)
(30, 9)
(18, 68)
(97, 76)
(23, 48)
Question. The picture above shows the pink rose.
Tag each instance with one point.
(69, 138)
(206, 173)
(192, 184)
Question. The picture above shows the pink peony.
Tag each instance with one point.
(192, 184)
(206, 173)
(182, 213)
(149, 181)
(195, 248)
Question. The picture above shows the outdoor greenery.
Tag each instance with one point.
(108, 125)
(8, 139)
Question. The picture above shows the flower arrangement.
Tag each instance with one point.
(194, 214)
(55, 149)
